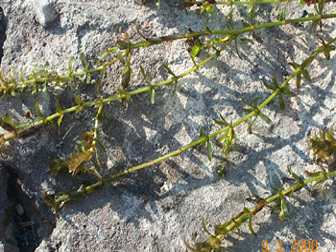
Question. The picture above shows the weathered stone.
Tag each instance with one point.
(157, 210)
(3, 27)
(45, 11)
(3, 201)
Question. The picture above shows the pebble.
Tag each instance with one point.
(45, 11)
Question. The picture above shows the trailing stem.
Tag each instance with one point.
(227, 131)
(213, 242)
(20, 130)
(232, 34)
(39, 80)
(146, 42)
(205, 3)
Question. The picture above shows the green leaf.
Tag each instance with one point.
(108, 52)
(202, 132)
(196, 49)
(57, 166)
(127, 70)
(285, 90)
(298, 81)
(169, 70)
(294, 65)
(126, 77)
(294, 175)
(250, 224)
(264, 117)
(269, 86)
(209, 150)
(251, 8)
(207, 7)
(283, 209)
(205, 227)
(221, 171)
(249, 126)
(220, 122)
(71, 69)
(227, 140)
(320, 7)
(21, 77)
(59, 108)
(249, 109)
(282, 103)
(326, 53)
(152, 96)
(79, 102)
(37, 109)
(8, 123)
(306, 74)
(143, 73)
(60, 119)
(86, 66)
(282, 15)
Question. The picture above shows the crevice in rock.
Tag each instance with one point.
(3, 30)
(27, 223)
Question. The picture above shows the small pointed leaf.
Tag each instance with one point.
(60, 119)
(169, 70)
(196, 49)
(306, 74)
(8, 123)
(298, 81)
(282, 103)
(283, 209)
(152, 96)
(264, 117)
(126, 77)
(38, 109)
(209, 150)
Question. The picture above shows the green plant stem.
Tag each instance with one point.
(23, 128)
(256, 2)
(64, 198)
(35, 81)
(247, 2)
(224, 32)
(12, 86)
(222, 230)
(125, 95)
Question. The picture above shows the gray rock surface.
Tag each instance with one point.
(45, 11)
(156, 210)
(3, 27)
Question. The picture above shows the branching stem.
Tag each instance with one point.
(36, 81)
(64, 198)
(222, 230)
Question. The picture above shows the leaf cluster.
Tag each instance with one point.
(323, 145)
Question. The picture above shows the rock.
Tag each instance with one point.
(3, 201)
(156, 210)
(45, 11)
(7, 239)
(3, 27)
(19, 209)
